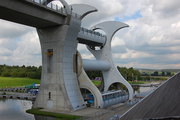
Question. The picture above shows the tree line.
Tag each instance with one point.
(20, 71)
(129, 74)
(35, 72)
(162, 73)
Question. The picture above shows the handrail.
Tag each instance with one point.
(92, 32)
(54, 7)
(51, 6)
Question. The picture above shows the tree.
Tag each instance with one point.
(17, 71)
(22, 74)
(93, 74)
(14, 73)
(163, 73)
(23, 66)
(155, 73)
(5, 74)
(129, 74)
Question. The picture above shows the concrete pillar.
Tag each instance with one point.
(59, 88)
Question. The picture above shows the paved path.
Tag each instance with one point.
(99, 114)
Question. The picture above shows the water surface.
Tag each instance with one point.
(143, 91)
(15, 109)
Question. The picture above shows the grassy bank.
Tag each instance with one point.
(60, 116)
(97, 83)
(138, 82)
(16, 82)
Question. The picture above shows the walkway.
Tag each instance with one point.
(101, 114)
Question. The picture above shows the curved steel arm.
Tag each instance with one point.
(83, 9)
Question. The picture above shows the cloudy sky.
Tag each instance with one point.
(152, 39)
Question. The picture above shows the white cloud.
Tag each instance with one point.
(28, 50)
(117, 42)
(5, 52)
(165, 8)
(26, 46)
(132, 54)
(151, 41)
(12, 30)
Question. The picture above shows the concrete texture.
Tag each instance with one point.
(59, 87)
(163, 102)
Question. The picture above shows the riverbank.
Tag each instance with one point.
(42, 112)
(147, 84)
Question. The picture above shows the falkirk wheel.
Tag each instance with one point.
(63, 70)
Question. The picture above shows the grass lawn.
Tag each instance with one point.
(16, 82)
(59, 116)
(138, 82)
(96, 83)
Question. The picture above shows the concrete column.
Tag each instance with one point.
(59, 88)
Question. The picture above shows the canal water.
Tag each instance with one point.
(143, 91)
(16, 109)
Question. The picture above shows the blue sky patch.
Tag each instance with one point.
(136, 15)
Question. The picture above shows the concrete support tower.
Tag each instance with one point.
(59, 85)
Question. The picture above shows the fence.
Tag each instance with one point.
(54, 7)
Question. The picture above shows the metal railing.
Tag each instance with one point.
(54, 7)
(84, 30)
(51, 6)
(93, 33)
